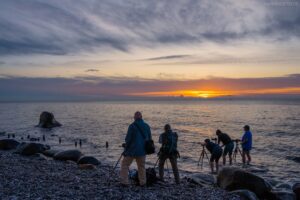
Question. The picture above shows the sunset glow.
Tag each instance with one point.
(213, 94)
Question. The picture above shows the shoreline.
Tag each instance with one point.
(39, 177)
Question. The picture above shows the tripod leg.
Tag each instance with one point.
(206, 156)
(202, 158)
(240, 152)
(199, 159)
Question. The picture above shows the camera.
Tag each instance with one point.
(237, 140)
(214, 139)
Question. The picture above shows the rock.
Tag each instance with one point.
(47, 120)
(283, 195)
(284, 186)
(28, 149)
(294, 158)
(201, 179)
(8, 144)
(296, 190)
(2, 133)
(50, 152)
(245, 194)
(88, 160)
(87, 166)
(73, 155)
(231, 178)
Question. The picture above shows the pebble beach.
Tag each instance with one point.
(39, 177)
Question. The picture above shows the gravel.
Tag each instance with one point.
(35, 177)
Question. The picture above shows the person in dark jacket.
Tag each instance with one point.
(228, 143)
(216, 153)
(168, 150)
(135, 149)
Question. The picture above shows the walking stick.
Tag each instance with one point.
(113, 170)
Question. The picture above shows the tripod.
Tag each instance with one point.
(237, 150)
(203, 153)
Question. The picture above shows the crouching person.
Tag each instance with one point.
(168, 150)
(216, 153)
(135, 149)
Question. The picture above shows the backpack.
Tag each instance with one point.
(149, 144)
(169, 143)
(150, 176)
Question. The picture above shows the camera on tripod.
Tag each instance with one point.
(237, 140)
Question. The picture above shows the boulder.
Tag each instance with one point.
(296, 190)
(231, 178)
(88, 160)
(245, 194)
(73, 155)
(201, 179)
(47, 120)
(283, 195)
(50, 152)
(29, 149)
(8, 144)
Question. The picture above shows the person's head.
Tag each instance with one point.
(246, 128)
(218, 132)
(138, 115)
(167, 128)
(207, 141)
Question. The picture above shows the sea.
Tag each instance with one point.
(275, 126)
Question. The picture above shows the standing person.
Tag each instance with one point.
(228, 143)
(168, 150)
(247, 144)
(135, 149)
(216, 153)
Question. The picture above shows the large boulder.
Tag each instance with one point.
(29, 149)
(296, 190)
(47, 120)
(73, 155)
(231, 178)
(8, 144)
(245, 194)
(88, 160)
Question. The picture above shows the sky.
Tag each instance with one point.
(65, 49)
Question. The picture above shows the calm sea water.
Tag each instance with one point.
(275, 127)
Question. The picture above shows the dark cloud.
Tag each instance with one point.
(90, 86)
(92, 70)
(168, 57)
(61, 27)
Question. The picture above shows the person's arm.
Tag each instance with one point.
(219, 140)
(129, 134)
(245, 138)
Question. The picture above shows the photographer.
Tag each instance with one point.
(228, 143)
(168, 150)
(135, 149)
(216, 153)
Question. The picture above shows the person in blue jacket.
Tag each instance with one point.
(246, 144)
(137, 133)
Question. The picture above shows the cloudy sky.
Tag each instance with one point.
(103, 48)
